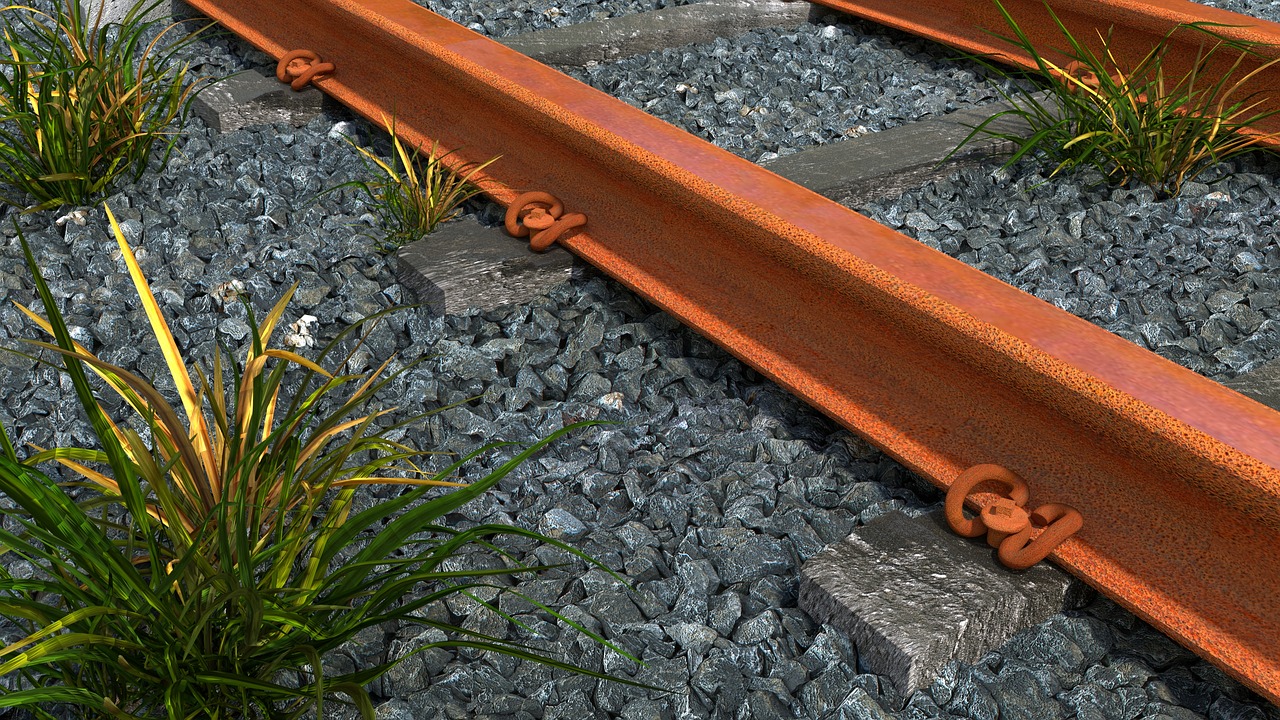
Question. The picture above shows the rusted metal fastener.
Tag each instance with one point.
(1077, 70)
(543, 225)
(1059, 522)
(1017, 493)
(1008, 525)
(300, 67)
(1086, 77)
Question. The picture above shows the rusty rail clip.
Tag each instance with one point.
(544, 225)
(300, 67)
(1006, 522)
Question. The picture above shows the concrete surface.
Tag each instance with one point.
(255, 98)
(466, 265)
(913, 596)
(884, 164)
(670, 27)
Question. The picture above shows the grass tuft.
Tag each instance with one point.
(413, 194)
(1133, 122)
(84, 103)
(217, 554)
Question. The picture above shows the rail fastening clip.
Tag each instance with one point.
(300, 67)
(1007, 524)
(543, 225)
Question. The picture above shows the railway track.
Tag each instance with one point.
(936, 363)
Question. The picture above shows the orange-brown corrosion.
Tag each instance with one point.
(1006, 523)
(1177, 477)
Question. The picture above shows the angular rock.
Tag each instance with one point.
(859, 705)
(724, 612)
(1019, 697)
(695, 638)
(746, 556)
(914, 596)
(561, 525)
(1261, 384)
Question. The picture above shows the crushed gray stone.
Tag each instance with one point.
(708, 491)
(772, 92)
(502, 18)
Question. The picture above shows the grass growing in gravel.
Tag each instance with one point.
(413, 194)
(1133, 122)
(83, 103)
(209, 565)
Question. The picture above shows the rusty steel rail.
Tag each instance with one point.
(1178, 478)
(1136, 26)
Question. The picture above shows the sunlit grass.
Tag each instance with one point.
(213, 561)
(1133, 121)
(83, 103)
(412, 193)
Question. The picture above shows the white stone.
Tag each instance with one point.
(299, 335)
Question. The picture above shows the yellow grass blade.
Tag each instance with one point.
(173, 358)
(102, 481)
(319, 441)
(1242, 81)
(116, 429)
(405, 160)
(273, 318)
(273, 495)
(1081, 138)
(244, 402)
(100, 368)
(296, 358)
(352, 482)
(385, 168)
(215, 402)
(93, 476)
(245, 408)
(219, 402)
(149, 471)
(269, 417)
(371, 378)
(163, 416)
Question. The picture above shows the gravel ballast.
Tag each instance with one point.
(503, 18)
(772, 92)
(711, 489)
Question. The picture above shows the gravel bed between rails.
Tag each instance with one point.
(709, 492)
(772, 92)
(502, 18)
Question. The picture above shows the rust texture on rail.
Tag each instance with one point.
(1136, 26)
(943, 367)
